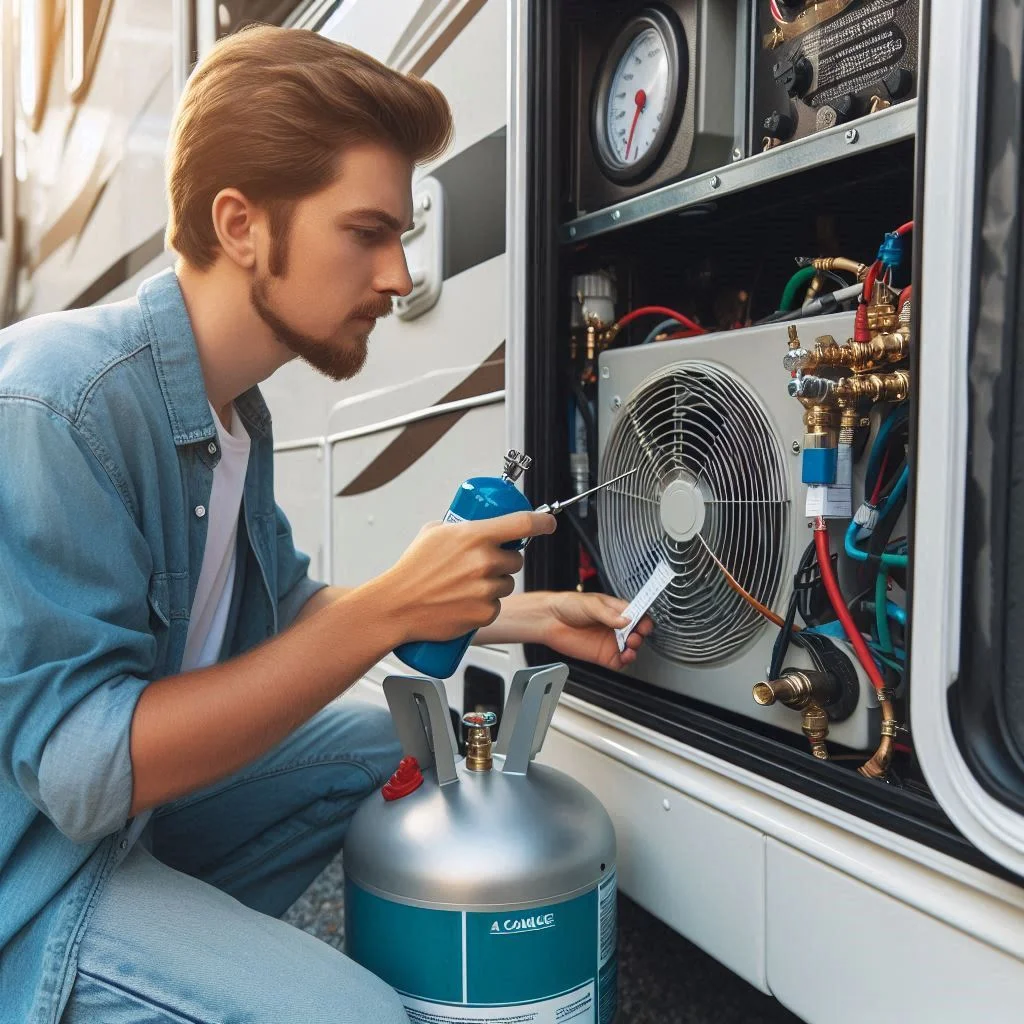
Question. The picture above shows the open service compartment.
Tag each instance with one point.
(716, 246)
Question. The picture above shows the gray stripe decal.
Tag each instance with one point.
(474, 194)
(474, 185)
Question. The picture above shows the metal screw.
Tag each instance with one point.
(616, 214)
(852, 135)
(616, 402)
(605, 373)
(715, 181)
(737, 154)
(572, 232)
(796, 447)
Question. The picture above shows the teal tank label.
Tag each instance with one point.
(553, 963)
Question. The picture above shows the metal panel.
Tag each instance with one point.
(879, 129)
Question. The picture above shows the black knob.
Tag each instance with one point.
(795, 76)
(791, 6)
(898, 83)
(778, 126)
(847, 107)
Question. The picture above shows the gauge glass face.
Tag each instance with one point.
(638, 98)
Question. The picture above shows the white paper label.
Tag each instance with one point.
(828, 502)
(656, 583)
(451, 517)
(576, 1007)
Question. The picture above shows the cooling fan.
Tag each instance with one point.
(712, 480)
(716, 438)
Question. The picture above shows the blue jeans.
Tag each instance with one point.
(187, 928)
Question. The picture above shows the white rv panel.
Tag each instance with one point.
(878, 959)
(685, 862)
(371, 530)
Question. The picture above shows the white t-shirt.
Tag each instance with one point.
(217, 576)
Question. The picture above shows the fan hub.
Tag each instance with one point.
(682, 509)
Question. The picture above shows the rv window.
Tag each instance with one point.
(235, 14)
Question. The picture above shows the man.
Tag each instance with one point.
(173, 772)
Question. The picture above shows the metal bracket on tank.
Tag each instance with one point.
(524, 723)
(419, 709)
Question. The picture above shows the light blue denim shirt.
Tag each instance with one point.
(108, 449)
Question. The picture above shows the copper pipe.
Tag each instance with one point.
(877, 767)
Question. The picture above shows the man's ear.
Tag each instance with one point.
(235, 220)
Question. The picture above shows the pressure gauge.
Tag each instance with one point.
(640, 91)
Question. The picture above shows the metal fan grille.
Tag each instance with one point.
(713, 474)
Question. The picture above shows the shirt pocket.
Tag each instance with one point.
(168, 619)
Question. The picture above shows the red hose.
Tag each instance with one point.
(839, 605)
(662, 311)
(869, 281)
(905, 228)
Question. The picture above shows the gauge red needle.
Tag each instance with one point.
(641, 102)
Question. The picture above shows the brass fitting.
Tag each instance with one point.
(478, 739)
(814, 723)
(798, 689)
(808, 692)
(878, 103)
(841, 263)
(873, 387)
(882, 349)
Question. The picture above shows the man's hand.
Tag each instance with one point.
(453, 576)
(577, 625)
(583, 626)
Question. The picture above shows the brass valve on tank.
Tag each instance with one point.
(478, 739)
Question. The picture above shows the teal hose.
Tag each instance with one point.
(854, 552)
(881, 618)
(801, 279)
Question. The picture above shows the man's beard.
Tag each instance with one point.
(336, 357)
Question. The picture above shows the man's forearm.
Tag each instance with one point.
(321, 599)
(522, 620)
(192, 729)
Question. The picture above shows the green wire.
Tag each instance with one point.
(801, 279)
(881, 612)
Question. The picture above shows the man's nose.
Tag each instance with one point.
(393, 276)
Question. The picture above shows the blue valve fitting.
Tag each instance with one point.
(818, 466)
(890, 252)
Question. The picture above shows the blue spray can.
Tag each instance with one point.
(480, 497)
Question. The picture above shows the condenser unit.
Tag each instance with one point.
(717, 438)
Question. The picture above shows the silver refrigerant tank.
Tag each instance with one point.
(483, 889)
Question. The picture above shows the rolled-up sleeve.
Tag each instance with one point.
(76, 647)
(294, 587)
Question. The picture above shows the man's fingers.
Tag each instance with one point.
(516, 525)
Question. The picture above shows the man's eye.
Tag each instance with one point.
(367, 234)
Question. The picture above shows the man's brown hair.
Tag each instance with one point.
(268, 112)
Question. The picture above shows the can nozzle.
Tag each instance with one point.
(516, 463)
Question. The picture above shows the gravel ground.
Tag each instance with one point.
(663, 979)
